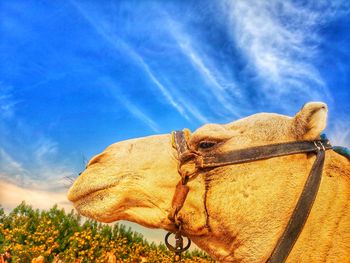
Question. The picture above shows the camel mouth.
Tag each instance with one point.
(90, 204)
(86, 199)
(101, 204)
(78, 196)
(81, 197)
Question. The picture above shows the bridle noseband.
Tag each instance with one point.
(201, 160)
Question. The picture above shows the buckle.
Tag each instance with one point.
(320, 146)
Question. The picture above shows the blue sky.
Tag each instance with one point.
(76, 76)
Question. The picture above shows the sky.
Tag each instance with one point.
(77, 76)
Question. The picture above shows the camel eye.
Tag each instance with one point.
(206, 145)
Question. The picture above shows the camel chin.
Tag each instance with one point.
(107, 206)
(100, 205)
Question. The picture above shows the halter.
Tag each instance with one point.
(200, 160)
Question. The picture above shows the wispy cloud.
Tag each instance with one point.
(9, 166)
(280, 42)
(45, 148)
(138, 113)
(38, 174)
(183, 106)
(105, 30)
(221, 88)
(117, 94)
(27, 163)
(164, 91)
(339, 133)
(12, 195)
(7, 101)
(278, 46)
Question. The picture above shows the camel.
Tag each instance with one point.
(236, 213)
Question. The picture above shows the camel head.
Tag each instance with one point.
(234, 212)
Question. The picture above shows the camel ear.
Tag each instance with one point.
(310, 121)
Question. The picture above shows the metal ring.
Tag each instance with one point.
(322, 145)
(319, 145)
(318, 148)
(174, 249)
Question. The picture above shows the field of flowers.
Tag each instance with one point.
(30, 233)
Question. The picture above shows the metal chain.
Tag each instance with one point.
(179, 248)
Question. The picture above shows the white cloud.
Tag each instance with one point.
(279, 40)
(134, 110)
(9, 165)
(131, 107)
(7, 102)
(181, 104)
(339, 134)
(223, 89)
(164, 91)
(12, 195)
(28, 163)
(105, 30)
(39, 174)
(45, 148)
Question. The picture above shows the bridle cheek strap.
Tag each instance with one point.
(207, 160)
(301, 212)
(178, 201)
(179, 198)
(181, 191)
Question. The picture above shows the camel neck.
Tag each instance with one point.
(326, 235)
(329, 219)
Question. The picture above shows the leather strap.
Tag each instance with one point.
(178, 201)
(181, 191)
(262, 152)
(301, 212)
(180, 142)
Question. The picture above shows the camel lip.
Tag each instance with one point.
(75, 198)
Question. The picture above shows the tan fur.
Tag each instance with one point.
(246, 206)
